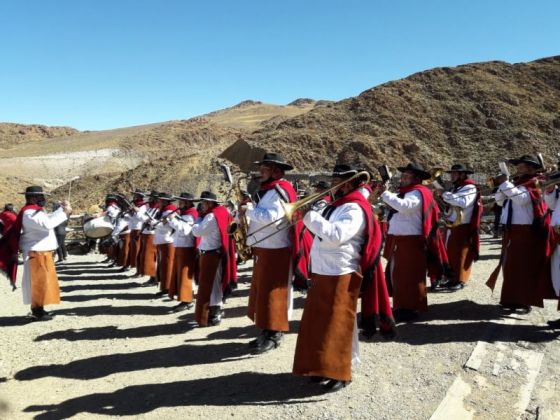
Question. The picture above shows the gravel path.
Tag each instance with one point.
(113, 349)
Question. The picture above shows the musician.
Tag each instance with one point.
(121, 239)
(526, 241)
(345, 249)
(34, 230)
(112, 210)
(414, 243)
(147, 256)
(553, 200)
(462, 241)
(185, 252)
(217, 272)
(275, 253)
(135, 224)
(163, 240)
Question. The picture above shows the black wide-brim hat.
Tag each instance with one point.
(343, 170)
(207, 196)
(184, 196)
(140, 192)
(417, 169)
(528, 159)
(34, 190)
(275, 158)
(165, 197)
(460, 168)
(153, 194)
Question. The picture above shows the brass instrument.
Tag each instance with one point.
(447, 209)
(238, 229)
(290, 209)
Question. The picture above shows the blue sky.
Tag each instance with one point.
(97, 64)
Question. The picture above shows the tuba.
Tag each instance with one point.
(238, 229)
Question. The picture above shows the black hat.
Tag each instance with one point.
(459, 167)
(165, 197)
(34, 190)
(275, 158)
(208, 196)
(344, 171)
(185, 196)
(529, 160)
(154, 194)
(140, 192)
(322, 185)
(417, 169)
(111, 197)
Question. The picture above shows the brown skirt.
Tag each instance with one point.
(459, 252)
(324, 343)
(44, 281)
(208, 265)
(134, 248)
(268, 299)
(165, 258)
(526, 269)
(123, 248)
(148, 257)
(407, 264)
(183, 274)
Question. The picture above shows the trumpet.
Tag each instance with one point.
(448, 211)
(290, 209)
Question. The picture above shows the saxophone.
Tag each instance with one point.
(238, 230)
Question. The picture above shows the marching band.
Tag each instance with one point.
(328, 244)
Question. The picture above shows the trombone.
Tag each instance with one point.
(290, 209)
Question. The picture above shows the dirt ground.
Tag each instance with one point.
(113, 349)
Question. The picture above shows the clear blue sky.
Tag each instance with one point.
(96, 64)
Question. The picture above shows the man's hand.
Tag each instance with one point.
(66, 207)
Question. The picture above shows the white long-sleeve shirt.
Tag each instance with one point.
(465, 198)
(551, 199)
(113, 211)
(122, 226)
(182, 237)
(555, 219)
(163, 231)
(207, 230)
(149, 218)
(136, 221)
(338, 240)
(408, 219)
(268, 210)
(521, 204)
(37, 233)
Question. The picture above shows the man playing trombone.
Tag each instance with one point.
(275, 251)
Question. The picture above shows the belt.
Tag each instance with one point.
(209, 251)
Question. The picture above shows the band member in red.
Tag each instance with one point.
(163, 240)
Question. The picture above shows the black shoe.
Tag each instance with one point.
(554, 324)
(112, 265)
(183, 306)
(435, 285)
(524, 310)
(454, 286)
(333, 385)
(123, 270)
(151, 282)
(271, 342)
(318, 380)
(259, 340)
(215, 315)
(161, 293)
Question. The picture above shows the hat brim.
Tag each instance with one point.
(465, 171)
(282, 165)
(537, 165)
(344, 174)
(421, 174)
(166, 198)
(175, 197)
(34, 193)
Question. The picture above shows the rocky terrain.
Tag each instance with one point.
(13, 134)
(476, 113)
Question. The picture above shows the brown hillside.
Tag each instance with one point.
(478, 113)
(13, 134)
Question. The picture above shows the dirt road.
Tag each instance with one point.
(113, 349)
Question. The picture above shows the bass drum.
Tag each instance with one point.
(98, 227)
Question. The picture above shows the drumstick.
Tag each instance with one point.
(70, 187)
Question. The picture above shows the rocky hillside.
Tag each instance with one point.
(476, 113)
(13, 134)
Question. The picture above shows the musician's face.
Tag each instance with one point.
(408, 178)
(525, 169)
(206, 205)
(266, 172)
(455, 176)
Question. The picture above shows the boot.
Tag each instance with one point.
(215, 315)
(257, 342)
(272, 341)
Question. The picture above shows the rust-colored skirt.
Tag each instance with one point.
(208, 265)
(123, 249)
(407, 265)
(165, 258)
(459, 252)
(148, 257)
(134, 248)
(526, 269)
(268, 298)
(44, 281)
(324, 343)
(183, 274)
